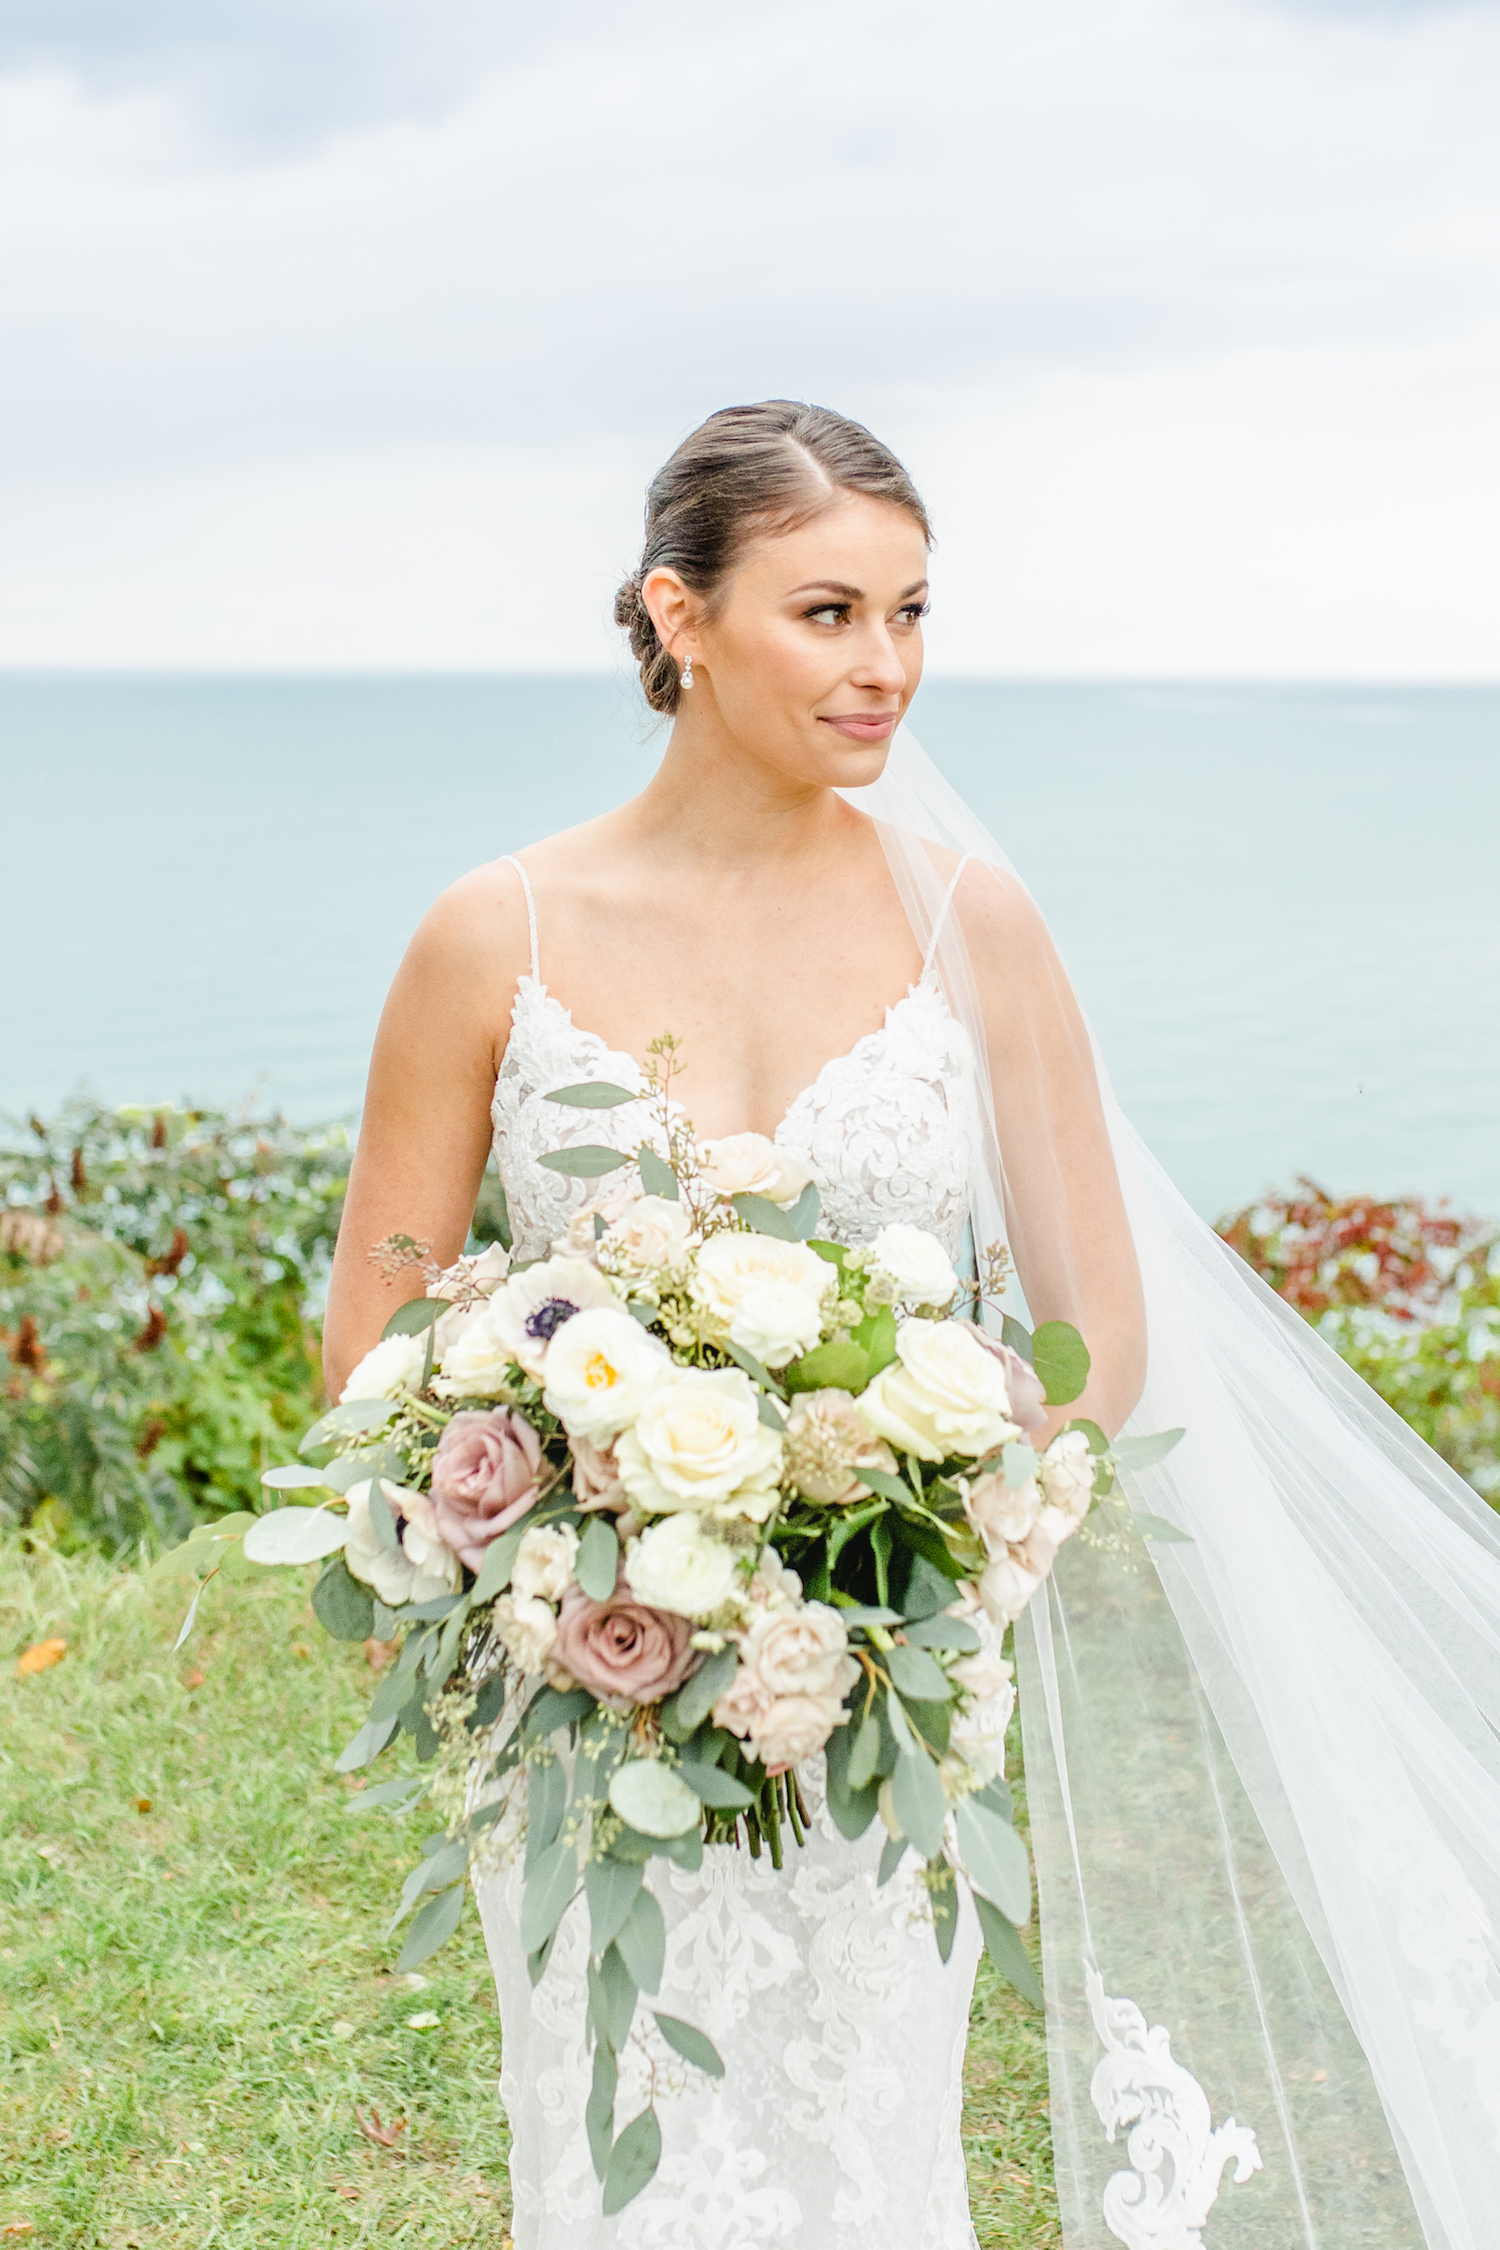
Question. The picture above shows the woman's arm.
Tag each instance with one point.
(424, 1134)
(1065, 1215)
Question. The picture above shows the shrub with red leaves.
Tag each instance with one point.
(1322, 1253)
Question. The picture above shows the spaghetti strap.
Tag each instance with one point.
(942, 913)
(536, 961)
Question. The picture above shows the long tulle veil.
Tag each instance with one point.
(1263, 1768)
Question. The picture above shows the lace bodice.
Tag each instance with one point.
(887, 1130)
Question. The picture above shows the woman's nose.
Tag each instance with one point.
(880, 664)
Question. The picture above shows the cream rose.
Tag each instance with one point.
(1067, 1474)
(421, 1570)
(600, 1366)
(1001, 1513)
(802, 1651)
(544, 1563)
(777, 1321)
(773, 1586)
(729, 1266)
(749, 1164)
(394, 1365)
(676, 1565)
(744, 1703)
(989, 1679)
(943, 1393)
(915, 1263)
(650, 1234)
(698, 1442)
(796, 1727)
(1006, 1587)
(528, 1628)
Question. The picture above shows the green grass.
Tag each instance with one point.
(196, 2000)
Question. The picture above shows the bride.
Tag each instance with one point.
(1262, 1756)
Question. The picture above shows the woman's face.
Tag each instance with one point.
(814, 650)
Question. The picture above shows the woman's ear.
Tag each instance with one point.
(674, 609)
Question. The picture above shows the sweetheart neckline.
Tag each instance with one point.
(926, 982)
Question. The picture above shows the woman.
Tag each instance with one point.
(1264, 1780)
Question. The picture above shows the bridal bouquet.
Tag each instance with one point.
(660, 1516)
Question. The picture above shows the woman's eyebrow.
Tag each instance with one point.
(850, 593)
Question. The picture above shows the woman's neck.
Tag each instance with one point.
(712, 803)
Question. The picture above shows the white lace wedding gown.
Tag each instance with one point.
(837, 2121)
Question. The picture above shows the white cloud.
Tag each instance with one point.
(1185, 312)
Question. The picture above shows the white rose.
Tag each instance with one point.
(394, 1365)
(652, 1233)
(676, 1565)
(777, 1321)
(1067, 1473)
(600, 1366)
(699, 1442)
(729, 1266)
(474, 1358)
(1006, 1588)
(943, 1393)
(796, 1727)
(527, 1627)
(802, 1651)
(531, 1307)
(544, 1563)
(422, 1569)
(916, 1263)
(749, 1164)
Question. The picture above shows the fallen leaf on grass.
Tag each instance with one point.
(386, 2136)
(194, 1679)
(19, 2226)
(143, 1804)
(39, 1658)
(379, 1654)
(349, 2194)
(300, 1648)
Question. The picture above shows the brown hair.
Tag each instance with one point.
(746, 470)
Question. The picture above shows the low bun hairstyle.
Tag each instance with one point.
(745, 471)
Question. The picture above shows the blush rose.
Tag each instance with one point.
(485, 1473)
(619, 1649)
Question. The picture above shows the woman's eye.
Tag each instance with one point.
(832, 613)
(914, 612)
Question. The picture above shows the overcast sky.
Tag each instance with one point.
(346, 332)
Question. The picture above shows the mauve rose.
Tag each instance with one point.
(485, 1474)
(619, 1649)
(596, 1478)
(1028, 1400)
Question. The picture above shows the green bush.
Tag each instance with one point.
(161, 1274)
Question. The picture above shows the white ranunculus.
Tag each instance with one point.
(749, 1164)
(600, 1366)
(423, 1568)
(528, 1628)
(544, 1562)
(699, 1443)
(1006, 1588)
(1067, 1473)
(802, 1651)
(729, 1266)
(394, 1365)
(675, 1564)
(528, 1310)
(916, 1263)
(777, 1321)
(474, 1358)
(773, 1586)
(943, 1393)
(649, 1235)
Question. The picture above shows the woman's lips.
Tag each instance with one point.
(860, 726)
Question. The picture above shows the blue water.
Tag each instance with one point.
(1281, 905)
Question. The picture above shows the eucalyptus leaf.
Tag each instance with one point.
(295, 1535)
(1003, 1944)
(657, 1176)
(1017, 1337)
(1060, 1358)
(753, 1367)
(876, 1337)
(642, 1941)
(446, 1865)
(589, 1161)
(896, 1718)
(838, 1365)
(632, 2162)
(917, 1674)
(382, 1517)
(356, 1418)
(920, 1806)
(763, 1216)
(612, 1997)
(1138, 1452)
(197, 1557)
(693, 2045)
(943, 1632)
(550, 1884)
(594, 1093)
(697, 1696)
(551, 1708)
(293, 1478)
(720, 1790)
(500, 1561)
(889, 1487)
(415, 1317)
(343, 1607)
(806, 1212)
(864, 1753)
(942, 1898)
(432, 1927)
(597, 1563)
(351, 1469)
(653, 1799)
(610, 1886)
(401, 1793)
(188, 1622)
(994, 1859)
(891, 1856)
(856, 1614)
(599, 2111)
(1157, 1527)
(366, 1746)
(546, 1802)
(1018, 1464)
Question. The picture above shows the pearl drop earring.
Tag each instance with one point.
(687, 674)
